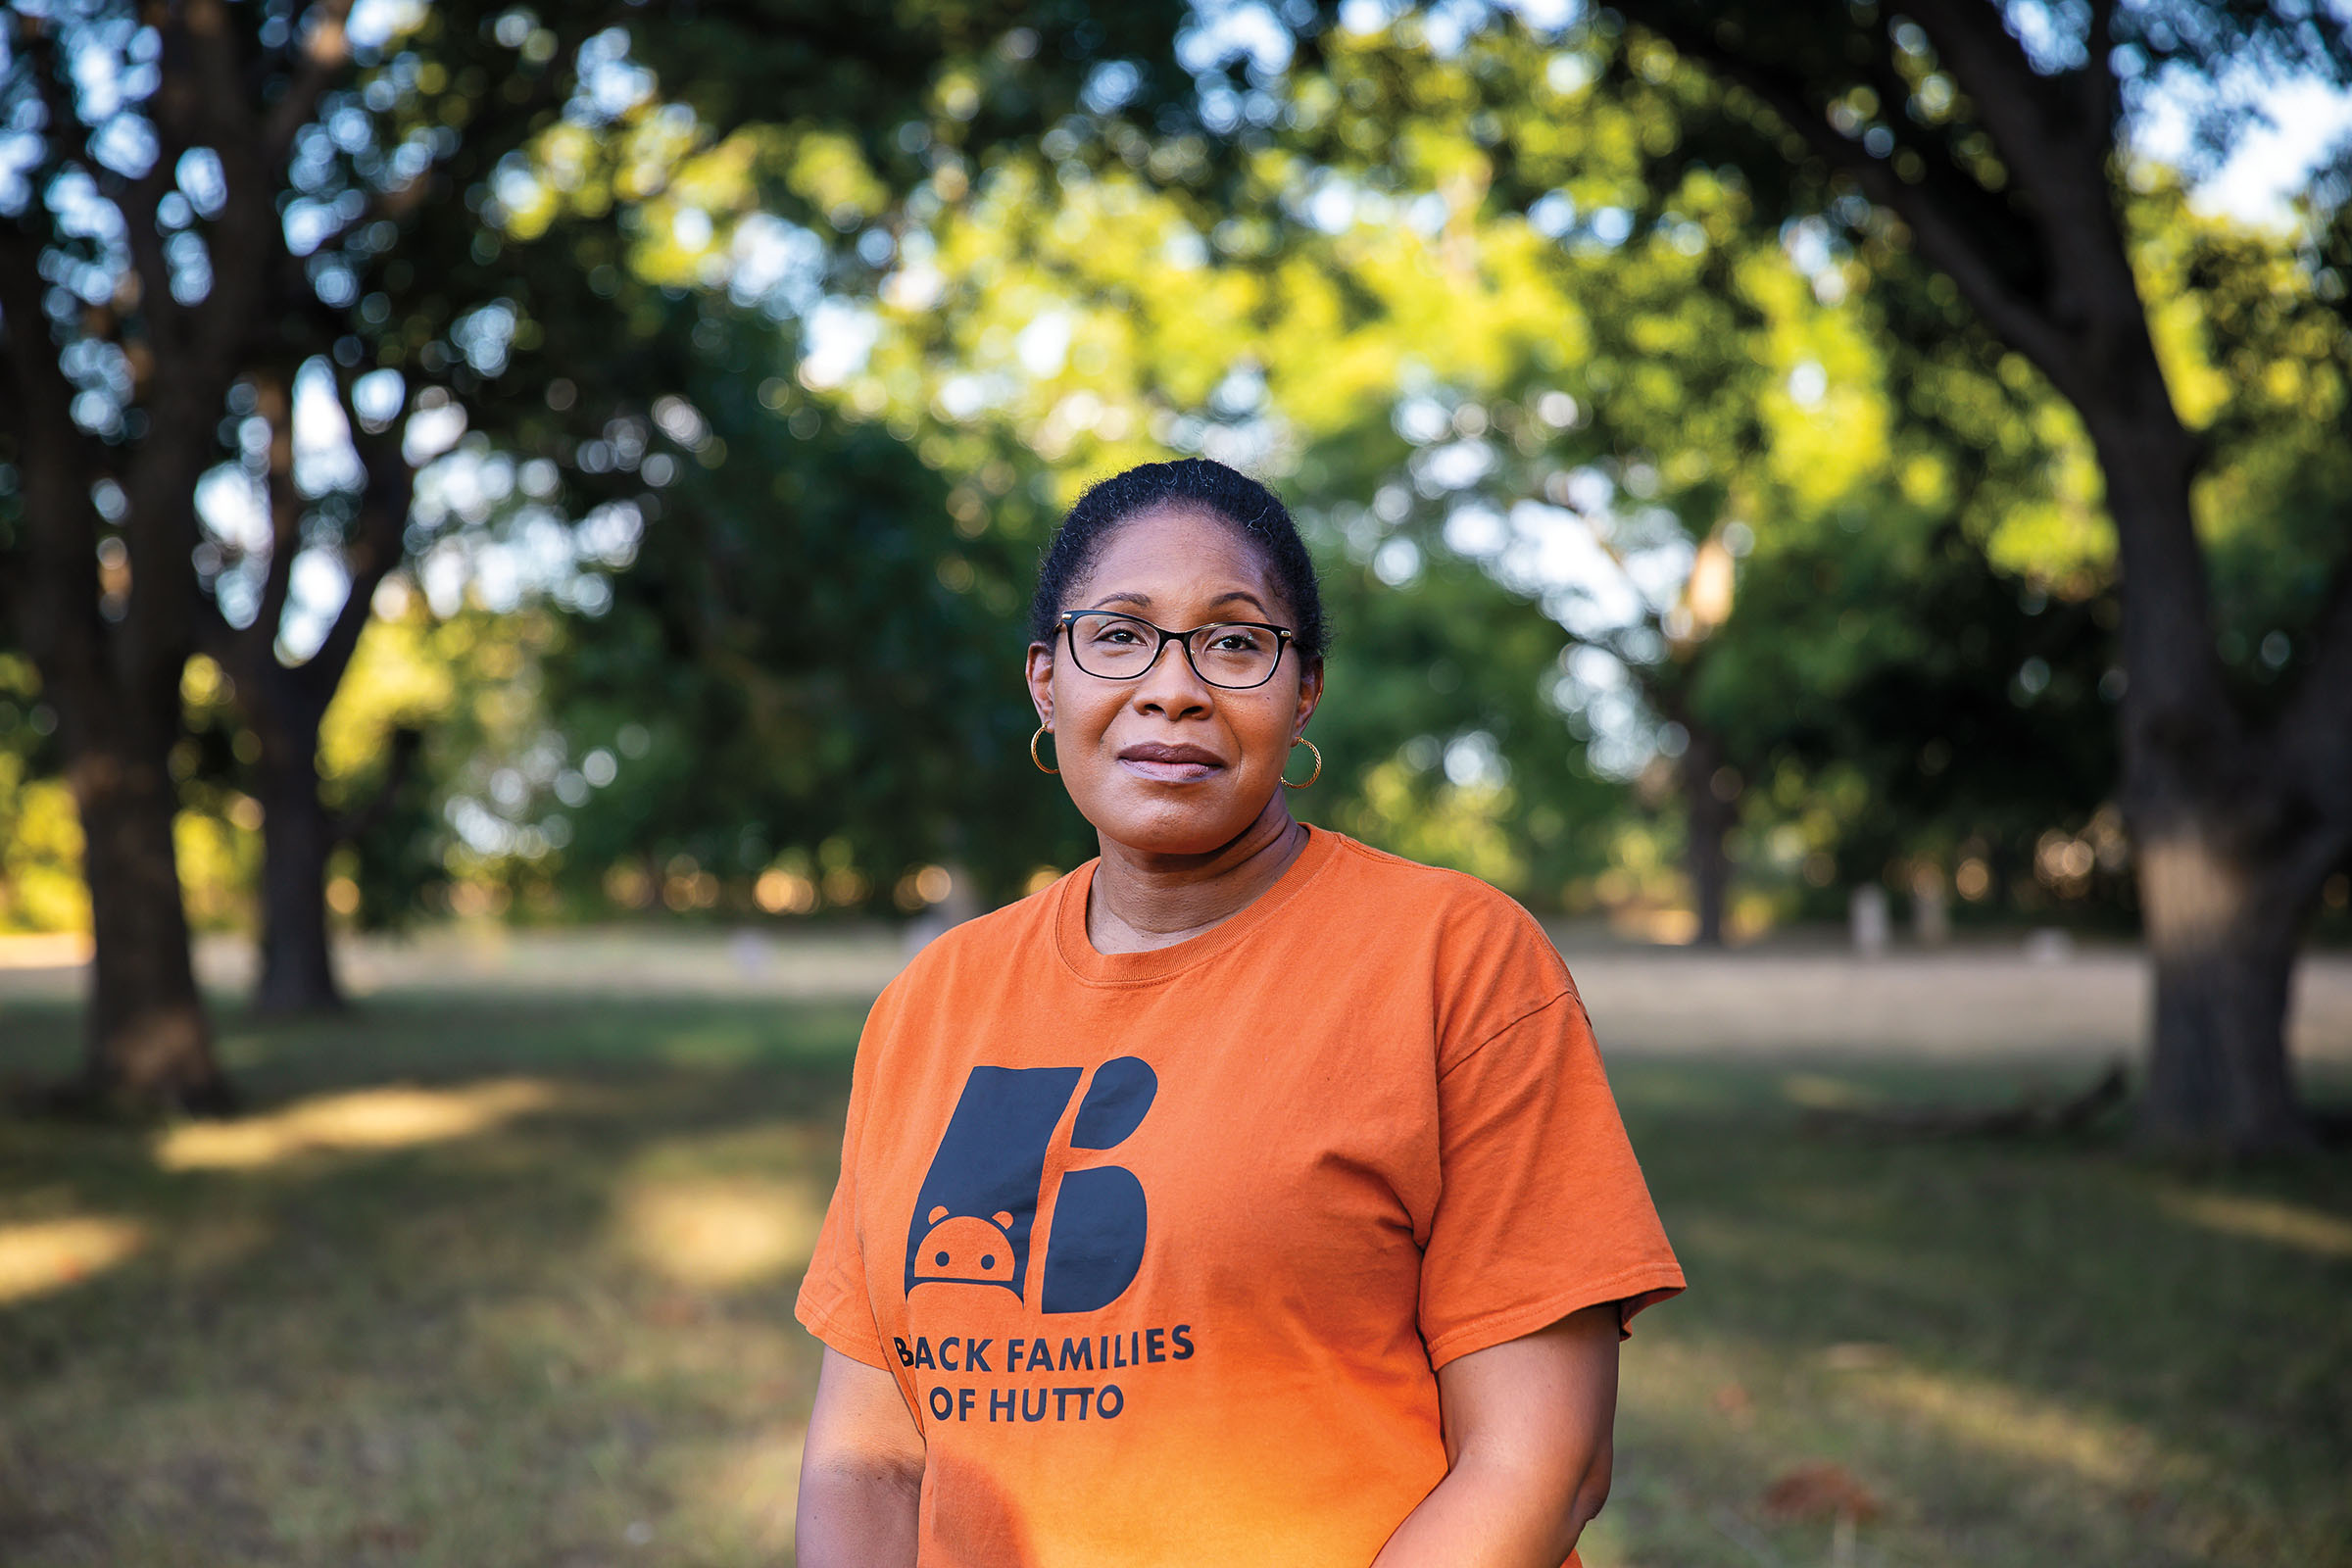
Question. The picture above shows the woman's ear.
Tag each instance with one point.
(1310, 693)
(1040, 677)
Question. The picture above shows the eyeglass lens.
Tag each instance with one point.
(1122, 647)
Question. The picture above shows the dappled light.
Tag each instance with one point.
(365, 1119)
(2012, 1423)
(557, 1328)
(515, 574)
(2276, 1221)
(1814, 1091)
(754, 1483)
(39, 1256)
(720, 1234)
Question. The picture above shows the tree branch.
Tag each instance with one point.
(276, 405)
(326, 52)
(41, 418)
(2102, 95)
(249, 228)
(214, 635)
(1954, 247)
(2057, 150)
(198, 101)
(52, 579)
(167, 317)
(2315, 731)
(374, 552)
(49, 82)
(2012, 101)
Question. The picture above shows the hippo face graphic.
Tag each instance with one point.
(965, 1249)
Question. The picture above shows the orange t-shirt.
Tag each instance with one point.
(1164, 1249)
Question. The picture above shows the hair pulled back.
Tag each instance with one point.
(1236, 499)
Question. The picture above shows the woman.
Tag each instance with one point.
(1246, 1196)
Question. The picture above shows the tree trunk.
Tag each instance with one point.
(1709, 819)
(115, 684)
(298, 972)
(149, 1044)
(2223, 936)
(2234, 822)
(2231, 841)
(286, 705)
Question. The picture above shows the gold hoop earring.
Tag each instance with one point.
(1311, 777)
(1042, 733)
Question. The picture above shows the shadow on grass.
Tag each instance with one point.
(415, 1322)
(2028, 1351)
(511, 1283)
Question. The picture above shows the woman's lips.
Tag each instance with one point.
(1170, 764)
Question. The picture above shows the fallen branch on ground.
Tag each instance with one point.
(2037, 1113)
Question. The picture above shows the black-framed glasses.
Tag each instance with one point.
(1234, 654)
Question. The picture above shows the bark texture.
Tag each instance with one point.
(114, 683)
(285, 705)
(112, 632)
(148, 1044)
(1710, 815)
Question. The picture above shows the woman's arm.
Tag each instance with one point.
(861, 1471)
(1527, 1449)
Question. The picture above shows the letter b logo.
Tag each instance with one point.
(978, 1203)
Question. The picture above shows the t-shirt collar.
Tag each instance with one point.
(1137, 968)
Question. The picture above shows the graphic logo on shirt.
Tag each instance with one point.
(978, 1207)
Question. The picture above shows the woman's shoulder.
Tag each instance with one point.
(1467, 949)
(1469, 937)
(1389, 882)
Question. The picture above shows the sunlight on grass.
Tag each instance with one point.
(44, 1255)
(1814, 1091)
(2011, 1423)
(721, 1233)
(2265, 1219)
(754, 1488)
(396, 1118)
(509, 1281)
(713, 1045)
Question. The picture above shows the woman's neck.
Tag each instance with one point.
(1140, 900)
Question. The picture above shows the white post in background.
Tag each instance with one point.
(1931, 911)
(1867, 913)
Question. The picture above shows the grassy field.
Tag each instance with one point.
(508, 1282)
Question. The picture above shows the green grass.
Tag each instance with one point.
(535, 1310)
(2026, 1354)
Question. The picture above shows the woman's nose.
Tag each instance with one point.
(1170, 685)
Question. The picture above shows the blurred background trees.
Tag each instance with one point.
(248, 287)
(1987, 139)
(623, 460)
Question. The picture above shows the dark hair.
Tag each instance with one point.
(1240, 501)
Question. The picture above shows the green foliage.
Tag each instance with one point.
(40, 839)
(1532, 328)
(2260, 352)
(1683, 374)
(827, 669)
(1440, 737)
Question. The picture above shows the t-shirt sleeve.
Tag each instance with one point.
(1542, 1208)
(833, 1303)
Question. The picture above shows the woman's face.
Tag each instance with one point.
(1165, 763)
